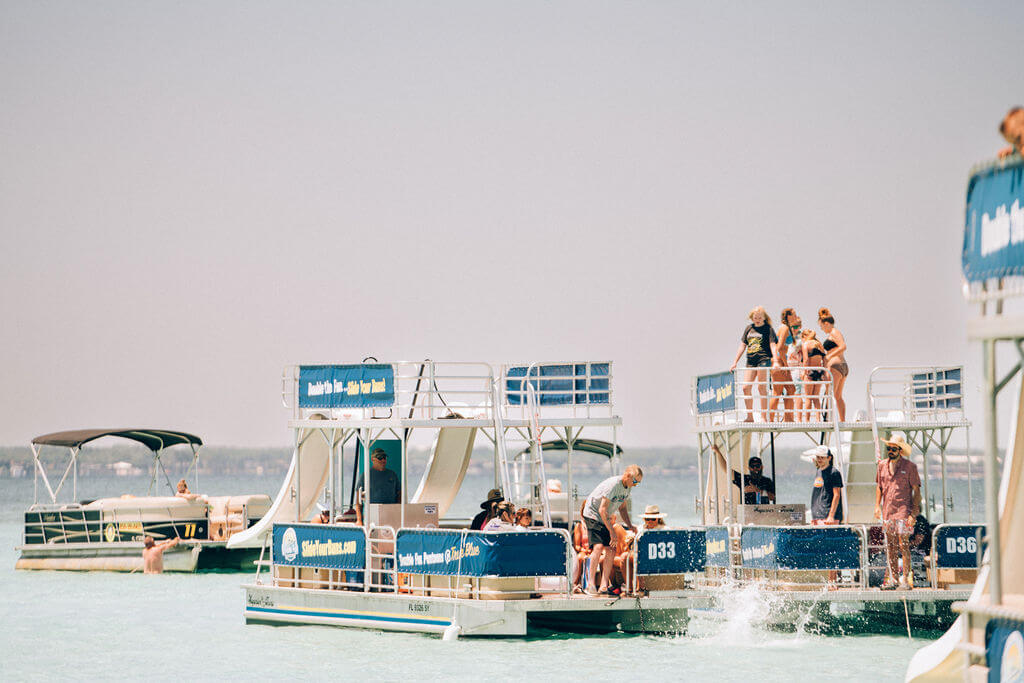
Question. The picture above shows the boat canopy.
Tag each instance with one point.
(588, 445)
(153, 439)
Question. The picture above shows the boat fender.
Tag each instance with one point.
(452, 632)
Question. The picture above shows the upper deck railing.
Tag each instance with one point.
(430, 390)
(727, 398)
(917, 395)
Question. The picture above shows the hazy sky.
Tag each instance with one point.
(193, 195)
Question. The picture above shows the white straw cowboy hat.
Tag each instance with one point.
(652, 512)
(898, 441)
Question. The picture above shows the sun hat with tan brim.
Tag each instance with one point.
(898, 441)
(652, 512)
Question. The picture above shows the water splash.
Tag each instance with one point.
(748, 614)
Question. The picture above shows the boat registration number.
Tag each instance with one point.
(661, 550)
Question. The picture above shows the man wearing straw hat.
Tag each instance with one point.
(897, 503)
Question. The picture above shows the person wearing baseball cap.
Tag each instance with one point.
(757, 488)
(827, 494)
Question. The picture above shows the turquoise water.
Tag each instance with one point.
(176, 627)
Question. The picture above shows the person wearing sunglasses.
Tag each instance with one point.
(609, 496)
(384, 484)
(897, 504)
(757, 488)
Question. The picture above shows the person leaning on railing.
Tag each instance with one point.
(611, 494)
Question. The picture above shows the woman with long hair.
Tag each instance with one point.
(759, 341)
(814, 357)
(783, 385)
(835, 358)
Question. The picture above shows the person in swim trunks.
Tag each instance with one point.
(759, 341)
(835, 358)
(897, 504)
(611, 494)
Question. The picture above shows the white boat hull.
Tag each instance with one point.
(403, 612)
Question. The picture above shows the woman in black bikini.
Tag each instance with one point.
(835, 358)
(814, 357)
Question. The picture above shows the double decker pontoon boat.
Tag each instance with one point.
(833, 573)
(107, 533)
(407, 568)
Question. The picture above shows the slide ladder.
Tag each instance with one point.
(528, 476)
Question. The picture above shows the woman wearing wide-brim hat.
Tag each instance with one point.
(653, 517)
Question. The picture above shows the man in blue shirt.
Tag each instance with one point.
(384, 484)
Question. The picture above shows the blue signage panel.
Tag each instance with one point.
(565, 384)
(670, 551)
(938, 390)
(1004, 650)
(793, 548)
(482, 553)
(319, 545)
(346, 386)
(716, 546)
(956, 545)
(994, 230)
(715, 393)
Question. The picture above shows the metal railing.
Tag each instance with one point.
(920, 394)
(442, 389)
(380, 571)
(791, 394)
(422, 390)
(845, 577)
(578, 389)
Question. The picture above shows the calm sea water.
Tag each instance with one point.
(104, 626)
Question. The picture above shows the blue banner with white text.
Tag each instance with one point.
(800, 548)
(670, 551)
(319, 545)
(346, 386)
(994, 230)
(1004, 650)
(482, 553)
(716, 546)
(957, 546)
(560, 384)
(715, 393)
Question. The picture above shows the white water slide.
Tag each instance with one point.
(940, 661)
(312, 460)
(446, 469)
(449, 459)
